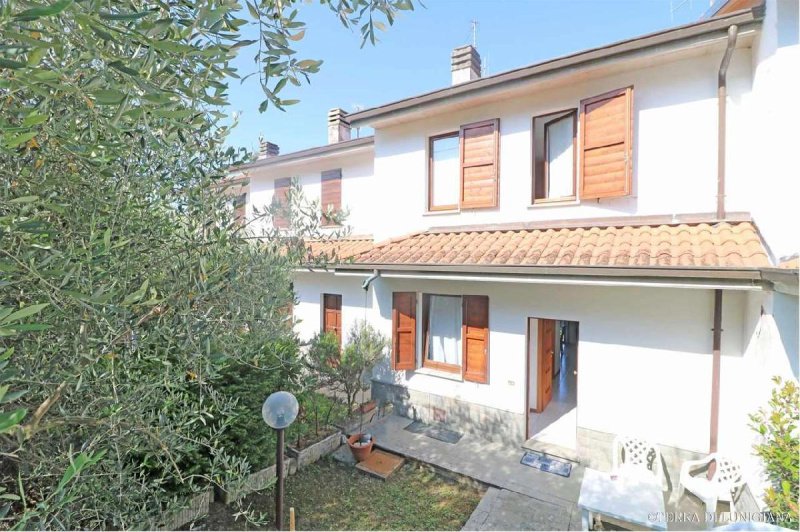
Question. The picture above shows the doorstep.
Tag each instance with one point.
(551, 449)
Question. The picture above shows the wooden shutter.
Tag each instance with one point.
(240, 208)
(332, 315)
(606, 144)
(404, 330)
(475, 338)
(479, 168)
(279, 199)
(331, 197)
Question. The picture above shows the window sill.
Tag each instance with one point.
(561, 202)
(439, 373)
(442, 212)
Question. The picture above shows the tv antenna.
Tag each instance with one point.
(474, 29)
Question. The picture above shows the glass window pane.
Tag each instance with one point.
(560, 158)
(444, 329)
(444, 170)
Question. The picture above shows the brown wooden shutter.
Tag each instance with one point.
(479, 168)
(280, 197)
(606, 144)
(332, 315)
(404, 330)
(331, 197)
(475, 338)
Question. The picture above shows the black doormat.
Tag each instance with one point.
(546, 463)
(435, 432)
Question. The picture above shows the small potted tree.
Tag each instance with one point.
(365, 346)
(347, 371)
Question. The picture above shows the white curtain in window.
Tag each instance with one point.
(444, 329)
(559, 158)
(445, 169)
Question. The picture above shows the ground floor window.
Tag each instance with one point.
(451, 330)
(442, 332)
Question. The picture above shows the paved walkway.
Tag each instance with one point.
(520, 497)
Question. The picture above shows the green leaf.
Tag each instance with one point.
(43, 11)
(82, 461)
(13, 142)
(124, 16)
(9, 420)
(8, 63)
(30, 310)
(24, 199)
(108, 96)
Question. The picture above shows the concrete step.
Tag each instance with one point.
(552, 449)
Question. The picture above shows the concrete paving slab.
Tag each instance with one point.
(507, 510)
(492, 463)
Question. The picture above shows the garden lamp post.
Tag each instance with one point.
(279, 411)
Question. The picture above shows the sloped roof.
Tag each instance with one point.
(726, 244)
(341, 249)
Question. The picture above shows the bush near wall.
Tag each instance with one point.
(779, 450)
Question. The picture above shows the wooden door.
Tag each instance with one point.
(332, 315)
(546, 358)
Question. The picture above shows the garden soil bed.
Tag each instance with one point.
(328, 495)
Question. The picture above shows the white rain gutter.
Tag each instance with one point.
(577, 281)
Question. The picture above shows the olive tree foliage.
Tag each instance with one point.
(126, 286)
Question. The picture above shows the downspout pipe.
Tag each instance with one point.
(722, 97)
(716, 343)
(368, 280)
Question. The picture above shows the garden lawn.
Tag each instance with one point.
(333, 496)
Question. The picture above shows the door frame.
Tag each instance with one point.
(528, 409)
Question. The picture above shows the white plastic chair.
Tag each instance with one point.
(722, 486)
(637, 457)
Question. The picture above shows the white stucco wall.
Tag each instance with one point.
(644, 354)
(357, 171)
(674, 147)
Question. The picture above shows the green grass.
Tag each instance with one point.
(332, 496)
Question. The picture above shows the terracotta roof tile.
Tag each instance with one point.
(734, 244)
(339, 248)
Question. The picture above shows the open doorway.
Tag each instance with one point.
(552, 398)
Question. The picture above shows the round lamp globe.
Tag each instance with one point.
(280, 410)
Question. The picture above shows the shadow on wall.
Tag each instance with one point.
(461, 416)
(785, 312)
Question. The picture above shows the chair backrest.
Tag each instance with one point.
(638, 453)
(727, 473)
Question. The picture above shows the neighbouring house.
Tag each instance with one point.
(579, 248)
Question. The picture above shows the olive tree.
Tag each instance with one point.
(127, 289)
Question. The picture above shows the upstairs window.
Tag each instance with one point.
(240, 208)
(443, 172)
(280, 203)
(331, 197)
(554, 152)
(463, 167)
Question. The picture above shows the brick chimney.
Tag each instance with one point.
(465, 64)
(338, 126)
(267, 149)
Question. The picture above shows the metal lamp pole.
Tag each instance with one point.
(279, 488)
(279, 411)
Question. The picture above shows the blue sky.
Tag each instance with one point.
(413, 56)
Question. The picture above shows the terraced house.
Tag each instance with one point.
(593, 245)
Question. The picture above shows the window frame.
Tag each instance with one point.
(562, 114)
(433, 138)
(432, 364)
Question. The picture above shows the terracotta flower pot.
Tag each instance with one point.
(360, 451)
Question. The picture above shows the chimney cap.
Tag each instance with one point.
(267, 149)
